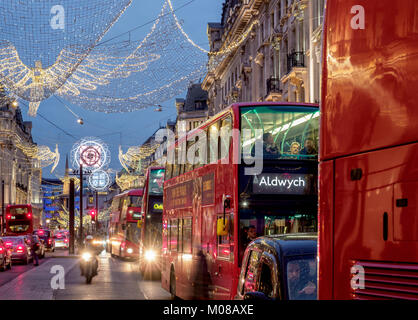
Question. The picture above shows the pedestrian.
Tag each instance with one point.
(34, 248)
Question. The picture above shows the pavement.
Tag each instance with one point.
(116, 279)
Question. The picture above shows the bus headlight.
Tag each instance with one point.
(86, 256)
(129, 250)
(150, 255)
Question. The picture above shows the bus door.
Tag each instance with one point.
(223, 268)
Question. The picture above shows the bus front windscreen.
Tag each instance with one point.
(19, 226)
(286, 132)
(135, 201)
(156, 182)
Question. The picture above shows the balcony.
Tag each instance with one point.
(295, 60)
(274, 92)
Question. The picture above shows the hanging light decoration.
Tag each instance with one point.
(132, 158)
(108, 77)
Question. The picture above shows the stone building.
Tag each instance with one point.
(279, 60)
(20, 175)
(193, 110)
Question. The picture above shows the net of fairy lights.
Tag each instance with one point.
(42, 43)
(134, 156)
(43, 52)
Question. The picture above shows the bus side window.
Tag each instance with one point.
(173, 235)
(187, 235)
(225, 137)
(213, 143)
(190, 149)
(176, 166)
(168, 171)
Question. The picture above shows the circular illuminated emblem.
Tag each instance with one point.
(92, 153)
(99, 180)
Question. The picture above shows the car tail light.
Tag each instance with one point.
(19, 249)
(49, 241)
(8, 244)
(66, 240)
(1, 250)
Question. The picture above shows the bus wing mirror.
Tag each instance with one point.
(222, 227)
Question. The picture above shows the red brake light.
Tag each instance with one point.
(8, 216)
(49, 240)
(19, 249)
(8, 244)
(1, 250)
(66, 240)
(29, 215)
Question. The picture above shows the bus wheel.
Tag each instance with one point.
(173, 285)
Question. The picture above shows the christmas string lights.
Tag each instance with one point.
(132, 158)
(112, 77)
(42, 43)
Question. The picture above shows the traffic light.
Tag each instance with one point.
(93, 214)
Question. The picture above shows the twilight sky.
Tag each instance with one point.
(127, 129)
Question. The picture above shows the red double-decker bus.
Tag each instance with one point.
(124, 233)
(151, 223)
(238, 182)
(19, 220)
(368, 226)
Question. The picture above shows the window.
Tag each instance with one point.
(187, 235)
(191, 148)
(226, 132)
(250, 284)
(173, 226)
(301, 278)
(226, 243)
(213, 140)
(168, 170)
(279, 128)
(266, 284)
(176, 166)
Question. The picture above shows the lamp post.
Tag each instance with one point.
(81, 204)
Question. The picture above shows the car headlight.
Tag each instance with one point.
(86, 256)
(150, 255)
(129, 250)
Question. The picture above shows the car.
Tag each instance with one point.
(5, 257)
(20, 248)
(281, 267)
(48, 238)
(61, 240)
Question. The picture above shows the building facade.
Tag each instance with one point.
(19, 174)
(279, 59)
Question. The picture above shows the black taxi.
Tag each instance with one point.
(281, 267)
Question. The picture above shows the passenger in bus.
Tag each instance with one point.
(295, 148)
(309, 147)
(270, 150)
